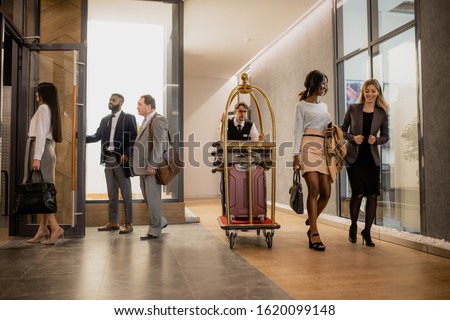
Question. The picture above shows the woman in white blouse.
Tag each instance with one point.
(44, 131)
(311, 126)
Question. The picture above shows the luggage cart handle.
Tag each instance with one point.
(244, 167)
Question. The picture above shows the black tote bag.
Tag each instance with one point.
(36, 197)
(296, 192)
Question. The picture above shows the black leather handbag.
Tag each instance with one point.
(296, 192)
(36, 197)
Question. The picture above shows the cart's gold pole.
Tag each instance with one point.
(274, 153)
(250, 183)
(224, 138)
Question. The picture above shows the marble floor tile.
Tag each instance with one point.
(188, 262)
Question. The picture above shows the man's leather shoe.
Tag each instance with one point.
(110, 226)
(149, 237)
(126, 228)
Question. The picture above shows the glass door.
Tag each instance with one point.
(60, 68)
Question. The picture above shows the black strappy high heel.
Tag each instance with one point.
(367, 238)
(317, 246)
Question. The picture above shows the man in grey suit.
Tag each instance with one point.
(147, 154)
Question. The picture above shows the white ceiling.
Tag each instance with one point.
(221, 36)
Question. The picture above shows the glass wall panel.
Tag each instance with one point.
(391, 14)
(351, 26)
(394, 63)
(395, 67)
(133, 54)
(351, 75)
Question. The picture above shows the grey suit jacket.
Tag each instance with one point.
(146, 152)
(354, 120)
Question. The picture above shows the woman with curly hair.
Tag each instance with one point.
(311, 127)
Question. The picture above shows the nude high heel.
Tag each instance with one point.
(55, 236)
(39, 235)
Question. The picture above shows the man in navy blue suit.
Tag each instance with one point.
(117, 133)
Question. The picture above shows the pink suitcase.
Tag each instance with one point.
(238, 193)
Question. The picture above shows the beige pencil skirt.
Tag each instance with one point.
(48, 160)
(313, 152)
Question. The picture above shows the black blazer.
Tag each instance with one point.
(354, 120)
(124, 137)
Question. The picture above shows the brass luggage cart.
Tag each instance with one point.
(247, 155)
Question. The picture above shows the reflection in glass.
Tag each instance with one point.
(391, 14)
(356, 72)
(351, 26)
(395, 68)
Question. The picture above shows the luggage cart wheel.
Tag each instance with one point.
(269, 239)
(258, 232)
(227, 233)
(231, 238)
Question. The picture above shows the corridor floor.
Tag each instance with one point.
(194, 261)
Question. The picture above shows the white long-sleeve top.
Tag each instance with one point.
(309, 116)
(40, 129)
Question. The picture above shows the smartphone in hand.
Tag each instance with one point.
(329, 129)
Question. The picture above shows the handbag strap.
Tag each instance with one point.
(296, 177)
(38, 172)
(150, 130)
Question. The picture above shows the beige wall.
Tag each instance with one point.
(281, 71)
(204, 101)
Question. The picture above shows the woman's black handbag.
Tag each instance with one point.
(296, 200)
(36, 197)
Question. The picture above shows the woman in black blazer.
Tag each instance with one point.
(368, 124)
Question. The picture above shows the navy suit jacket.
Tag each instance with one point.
(124, 137)
(354, 120)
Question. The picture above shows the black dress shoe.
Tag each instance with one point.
(149, 237)
(164, 226)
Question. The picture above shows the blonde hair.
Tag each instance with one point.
(380, 102)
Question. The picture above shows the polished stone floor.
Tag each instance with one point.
(194, 262)
(188, 262)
